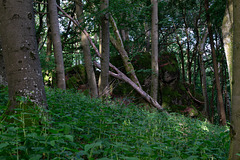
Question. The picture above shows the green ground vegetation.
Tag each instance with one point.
(78, 127)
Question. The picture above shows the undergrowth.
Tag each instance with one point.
(78, 127)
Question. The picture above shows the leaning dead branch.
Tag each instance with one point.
(118, 73)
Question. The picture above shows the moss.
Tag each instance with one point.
(169, 97)
(181, 87)
(123, 89)
(177, 99)
(86, 92)
(169, 91)
(178, 108)
(193, 112)
(72, 82)
(174, 96)
(76, 76)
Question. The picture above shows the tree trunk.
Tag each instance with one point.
(154, 56)
(49, 45)
(215, 66)
(227, 103)
(189, 63)
(148, 33)
(203, 74)
(235, 123)
(123, 35)
(104, 87)
(41, 26)
(48, 49)
(182, 59)
(57, 45)
(118, 44)
(227, 33)
(100, 40)
(2, 71)
(212, 103)
(87, 54)
(20, 53)
(3, 80)
(119, 74)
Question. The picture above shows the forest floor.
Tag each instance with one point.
(78, 127)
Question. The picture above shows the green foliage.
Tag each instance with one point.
(47, 65)
(178, 99)
(216, 12)
(78, 127)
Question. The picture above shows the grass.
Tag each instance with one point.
(78, 127)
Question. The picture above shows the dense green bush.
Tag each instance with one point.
(78, 127)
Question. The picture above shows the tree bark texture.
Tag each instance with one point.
(215, 66)
(57, 44)
(154, 46)
(3, 80)
(203, 74)
(227, 33)
(188, 47)
(17, 30)
(49, 37)
(48, 49)
(182, 59)
(41, 24)
(118, 44)
(104, 87)
(87, 54)
(49, 45)
(148, 35)
(211, 102)
(235, 121)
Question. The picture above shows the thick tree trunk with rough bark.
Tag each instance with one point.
(87, 54)
(3, 80)
(154, 56)
(215, 66)
(57, 44)
(235, 120)
(227, 33)
(104, 86)
(17, 30)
